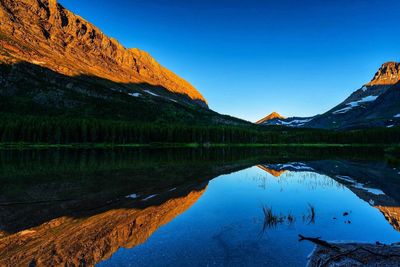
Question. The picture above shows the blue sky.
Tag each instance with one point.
(249, 58)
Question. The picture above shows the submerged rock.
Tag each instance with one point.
(355, 254)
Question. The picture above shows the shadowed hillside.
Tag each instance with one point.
(44, 33)
(29, 89)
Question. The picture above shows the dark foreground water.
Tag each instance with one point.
(191, 207)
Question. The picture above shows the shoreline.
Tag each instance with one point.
(17, 146)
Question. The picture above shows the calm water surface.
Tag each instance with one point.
(225, 226)
(190, 208)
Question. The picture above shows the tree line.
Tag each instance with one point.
(60, 130)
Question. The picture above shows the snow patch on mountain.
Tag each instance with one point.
(151, 93)
(134, 94)
(397, 116)
(133, 196)
(351, 105)
(149, 197)
(369, 98)
(294, 122)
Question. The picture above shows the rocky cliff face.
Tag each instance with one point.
(44, 33)
(388, 74)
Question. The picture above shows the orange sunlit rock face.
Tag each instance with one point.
(275, 173)
(271, 116)
(388, 74)
(43, 32)
(392, 214)
(71, 241)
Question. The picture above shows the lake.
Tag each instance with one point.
(192, 207)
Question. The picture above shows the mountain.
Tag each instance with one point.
(376, 104)
(271, 116)
(45, 33)
(53, 62)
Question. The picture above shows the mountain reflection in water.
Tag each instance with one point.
(77, 208)
(360, 178)
(73, 241)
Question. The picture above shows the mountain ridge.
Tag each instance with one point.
(46, 34)
(375, 104)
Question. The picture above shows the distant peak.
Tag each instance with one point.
(273, 115)
(275, 173)
(388, 74)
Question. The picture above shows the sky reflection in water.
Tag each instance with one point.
(225, 226)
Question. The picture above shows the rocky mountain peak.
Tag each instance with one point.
(273, 115)
(388, 74)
